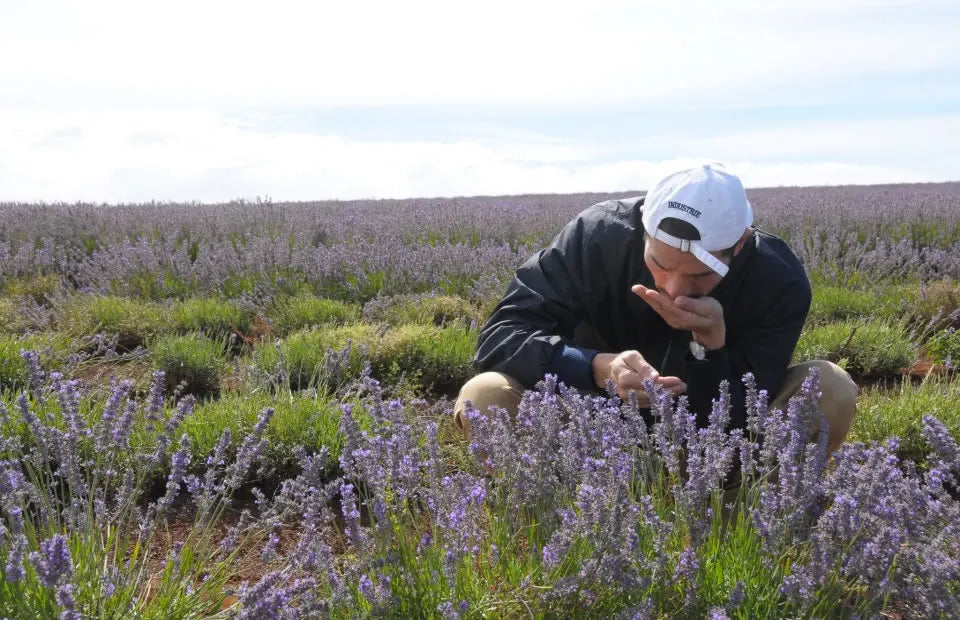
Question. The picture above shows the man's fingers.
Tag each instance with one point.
(631, 381)
(702, 306)
(635, 362)
(669, 382)
(675, 316)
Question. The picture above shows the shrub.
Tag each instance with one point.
(38, 287)
(888, 413)
(430, 357)
(292, 313)
(304, 355)
(427, 309)
(131, 321)
(310, 421)
(437, 358)
(944, 346)
(194, 359)
(20, 314)
(214, 317)
(874, 348)
(937, 299)
(836, 303)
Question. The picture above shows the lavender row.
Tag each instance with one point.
(359, 249)
(361, 270)
(874, 210)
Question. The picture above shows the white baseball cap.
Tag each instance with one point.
(708, 198)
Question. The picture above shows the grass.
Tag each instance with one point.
(307, 420)
(837, 303)
(194, 359)
(132, 321)
(13, 319)
(899, 412)
(214, 317)
(430, 357)
(944, 346)
(38, 287)
(53, 348)
(868, 348)
(303, 311)
(303, 355)
(936, 299)
(429, 309)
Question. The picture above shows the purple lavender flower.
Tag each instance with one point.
(736, 597)
(121, 432)
(35, 374)
(447, 611)
(178, 468)
(365, 586)
(250, 450)
(67, 602)
(943, 444)
(53, 563)
(14, 571)
(155, 400)
(269, 598)
(109, 415)
(351, 516)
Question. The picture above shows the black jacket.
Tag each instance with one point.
(573, 299)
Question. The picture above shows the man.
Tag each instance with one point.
(677, 287)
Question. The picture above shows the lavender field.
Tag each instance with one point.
(243, 410)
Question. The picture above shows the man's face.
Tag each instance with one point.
(677, 273)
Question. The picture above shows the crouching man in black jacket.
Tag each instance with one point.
(677, 287)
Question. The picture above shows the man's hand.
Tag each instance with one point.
(702, 316)
(629, 371)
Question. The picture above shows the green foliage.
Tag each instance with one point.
(13, 369)
(874, 348)
(154, 285)
(944, 346)
(12, 318)
(837, 303)
(298, 312)
(307, 420)
(302, 356)
(429, 309)
(131, 321)
(210, 316)
(194, 358)
(39, 287)
(899, 412)
(437, 358)
(936, 300)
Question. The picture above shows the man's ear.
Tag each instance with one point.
(743, 239)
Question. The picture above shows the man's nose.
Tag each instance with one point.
(673, 287)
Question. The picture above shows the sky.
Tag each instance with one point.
(211, 101)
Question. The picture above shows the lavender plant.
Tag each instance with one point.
(81, 530)
(582, 504)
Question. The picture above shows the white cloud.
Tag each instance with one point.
(313, 53)
(194, 154)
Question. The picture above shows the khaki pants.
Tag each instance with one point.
(838, 400)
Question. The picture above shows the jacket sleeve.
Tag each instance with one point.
(765, 351)
(528, 334)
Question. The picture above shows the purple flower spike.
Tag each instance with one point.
(53, 563)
